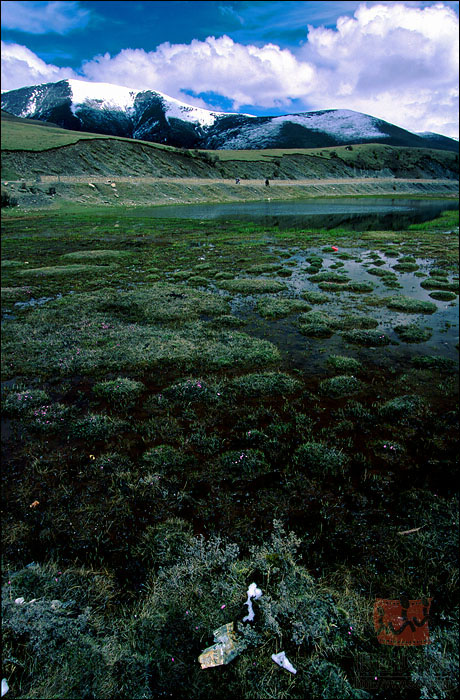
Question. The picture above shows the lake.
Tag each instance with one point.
(359, 214)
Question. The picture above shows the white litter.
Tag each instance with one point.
(253, 592)
(282, 660)
(5, 687)
(19, 601)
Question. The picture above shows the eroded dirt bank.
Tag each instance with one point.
(53, 191)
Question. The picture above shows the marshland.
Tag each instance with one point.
(192, 405)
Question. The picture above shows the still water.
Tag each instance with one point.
(358, 214)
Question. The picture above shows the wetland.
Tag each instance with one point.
(193, 404)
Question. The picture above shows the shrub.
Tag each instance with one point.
(121, 391)
(388, 450)
(8, 200)
(342, 385)
(244, 464)
(319, 459)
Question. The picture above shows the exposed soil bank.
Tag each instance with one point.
(54, 191)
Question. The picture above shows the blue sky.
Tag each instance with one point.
(394, 60)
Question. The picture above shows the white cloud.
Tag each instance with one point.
(21, 67)
(43, 17)
(392, 61)
(395, 62)
(265, 76)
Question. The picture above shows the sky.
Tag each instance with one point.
(397, 61)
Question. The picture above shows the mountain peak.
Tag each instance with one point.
(150, 115)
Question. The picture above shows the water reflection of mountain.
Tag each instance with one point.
(353, 214)
(389, 221)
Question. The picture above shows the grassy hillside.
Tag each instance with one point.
(29, 148)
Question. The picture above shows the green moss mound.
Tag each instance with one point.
(406, 267)
(366, 338)
(316, 297)
(440, 284)
(277, 307)
(315, 324)
(62, 270)
(344, 364)
(264, 384)
(342, 385)
(443, 296)
(317, 458)
(102, 254)
(353, 321)
(411, 306)
(412, 333)
(252, 285)
(121, 391)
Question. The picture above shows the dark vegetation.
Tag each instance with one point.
(164, 447)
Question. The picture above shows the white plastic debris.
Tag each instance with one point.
(5, 687)
(253, 592)
(19, 601)
(282, 660)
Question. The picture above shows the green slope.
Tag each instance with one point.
(29, 149)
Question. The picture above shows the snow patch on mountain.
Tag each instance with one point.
(343, 124)
(105, 95)
(253, 136)
(179, 110)
(31, 105)
(115, 97)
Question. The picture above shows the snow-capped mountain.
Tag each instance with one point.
(152, 116)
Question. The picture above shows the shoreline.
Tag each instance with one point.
(54, 192)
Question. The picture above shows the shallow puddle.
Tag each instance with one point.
(312, 353)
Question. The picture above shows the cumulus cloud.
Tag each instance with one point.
(392, 61)
(21, 67)
(267, 75)
(395, 62)
(42, 17)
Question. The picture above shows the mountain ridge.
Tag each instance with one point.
(153, 116)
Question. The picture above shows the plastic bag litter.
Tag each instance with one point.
(225, 650)
(282, 660)
(5, 687)
(253, 592)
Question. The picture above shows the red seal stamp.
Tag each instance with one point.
(402, 622)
